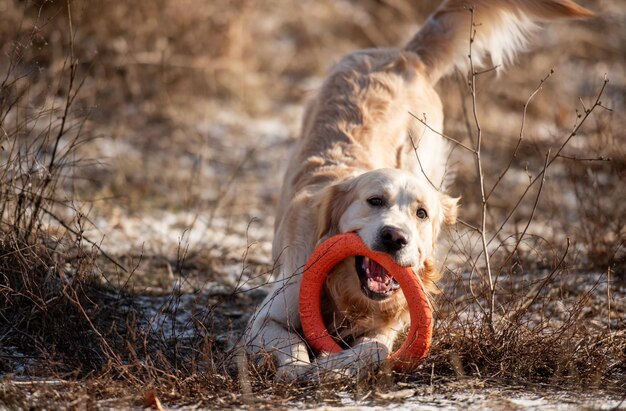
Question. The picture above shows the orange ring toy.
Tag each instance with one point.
(324, 258)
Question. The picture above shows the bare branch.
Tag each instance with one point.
(521, 133)
(452, 139)
(573, 133)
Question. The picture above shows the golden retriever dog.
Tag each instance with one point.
(364, 164)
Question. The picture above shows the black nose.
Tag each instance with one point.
(393, 238)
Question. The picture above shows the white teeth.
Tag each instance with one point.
(365, 264)
(376, 286)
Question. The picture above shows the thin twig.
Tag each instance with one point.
(528, 222)
(521, 133)
(71, 230)
(573, 133)
(574, 158)
(452, 139)
(480, 174)
(69, 99)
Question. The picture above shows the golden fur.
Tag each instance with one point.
(357, 143)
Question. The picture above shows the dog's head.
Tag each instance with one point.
(394, 212)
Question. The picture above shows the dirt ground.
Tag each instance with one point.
(183, 116)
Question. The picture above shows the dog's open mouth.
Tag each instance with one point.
(376, 282)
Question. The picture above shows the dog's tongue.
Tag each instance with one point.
(378, 280)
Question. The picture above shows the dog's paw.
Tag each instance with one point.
(293, 372)
(359, 361)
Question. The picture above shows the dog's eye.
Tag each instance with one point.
(376, 201)
(422, 214)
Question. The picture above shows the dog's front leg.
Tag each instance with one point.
(367, 355)
(272, 335)
(285, 348)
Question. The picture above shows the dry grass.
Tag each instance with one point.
(137, 114)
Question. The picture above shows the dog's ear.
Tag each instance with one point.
(447, 214)
(430, 275)
(331, 205)
(449, 208)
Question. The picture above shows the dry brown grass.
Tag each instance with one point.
(161, 105)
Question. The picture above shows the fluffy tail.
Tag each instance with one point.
(501, 29)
